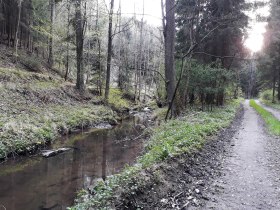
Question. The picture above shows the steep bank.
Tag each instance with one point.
(35, 108)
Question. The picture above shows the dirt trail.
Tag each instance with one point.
(251, 169)
(274, 112)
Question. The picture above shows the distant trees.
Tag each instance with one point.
(76, 38)
(15, 21)
(211, 32)
(269, 60)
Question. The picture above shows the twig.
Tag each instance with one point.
(3, 206)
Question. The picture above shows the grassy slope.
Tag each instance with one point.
(36, 108)
(171, 139)
(273, 124)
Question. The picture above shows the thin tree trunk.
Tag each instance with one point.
(68, 37)
(278, 95)
(18, 23)
(141, 55)
(109, 53)
(50, 59)
(274, 86)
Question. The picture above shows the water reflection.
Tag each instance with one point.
(52, 183)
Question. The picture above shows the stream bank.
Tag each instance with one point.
(53, 183)
(37, 108)
(178, 162)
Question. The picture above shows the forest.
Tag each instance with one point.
(137, 104)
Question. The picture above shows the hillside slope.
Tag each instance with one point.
(35, 108)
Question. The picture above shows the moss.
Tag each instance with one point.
(117, 100)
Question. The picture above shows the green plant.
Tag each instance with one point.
(272, 123)
(267, 95)
(171, 139)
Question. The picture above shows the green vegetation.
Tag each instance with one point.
(116, 99)
(40, 125)
(273, 124)
(267, 98)
(37, 109)
(176, 137)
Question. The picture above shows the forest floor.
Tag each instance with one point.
(238, 169)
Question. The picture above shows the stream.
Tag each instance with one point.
(32, 183)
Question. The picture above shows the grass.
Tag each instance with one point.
(171, 139)
(275, 105)
(272, 123)
(39, 125)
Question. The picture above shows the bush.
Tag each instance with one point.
(267, 95)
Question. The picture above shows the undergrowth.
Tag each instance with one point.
(36, 108)
(171, 139)
(117, 100)
(273, 123)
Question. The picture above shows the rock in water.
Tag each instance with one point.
(51, 153)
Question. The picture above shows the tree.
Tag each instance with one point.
(80, 84)
(52, 7)
(109, 51)
(169, 43)
(18, 23)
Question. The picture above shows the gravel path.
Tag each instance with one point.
(251, 170)
(274, 112)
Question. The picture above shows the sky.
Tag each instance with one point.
(152, 9)
(255, 33)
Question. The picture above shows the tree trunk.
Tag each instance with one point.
(274, 86)
(18, 23)
(68, 37)
(109, 52)
(278, 95)
(80, 84)
(169, 42)
(50, 59)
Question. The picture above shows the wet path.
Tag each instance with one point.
(251, 169)
(53, 183)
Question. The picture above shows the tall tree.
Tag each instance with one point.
(80, 84)
(109, 51)
(18, 23)
(169, 43)
(52, 7)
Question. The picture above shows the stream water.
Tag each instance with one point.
(52, 183)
